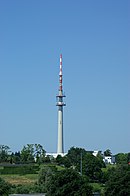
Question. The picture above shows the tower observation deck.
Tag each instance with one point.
(60, 104)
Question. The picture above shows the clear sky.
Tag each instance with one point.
(93, 37)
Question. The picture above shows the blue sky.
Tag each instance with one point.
(93, 37)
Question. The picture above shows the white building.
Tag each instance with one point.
(54, 155)
(109, 159)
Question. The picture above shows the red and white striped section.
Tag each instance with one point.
(60, 74)
(60, 65)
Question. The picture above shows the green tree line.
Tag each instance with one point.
(80, 170)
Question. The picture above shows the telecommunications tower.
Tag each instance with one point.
(60, 104)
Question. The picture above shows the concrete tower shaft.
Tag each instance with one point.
(60, 104)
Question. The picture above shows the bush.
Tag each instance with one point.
(4, 187)
(21, 169)
(118, 183)
(28, 189)
(22, 189)
(68, 182)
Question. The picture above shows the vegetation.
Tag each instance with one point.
(123, 158)
(19, 169)
(77, 173)
(17, 179)
(107, 152)
(118, 183)
(4, 153)
(91, 165)
(68, 182)
(4, 187)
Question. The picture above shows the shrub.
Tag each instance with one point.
(20, 169)
(4, 187)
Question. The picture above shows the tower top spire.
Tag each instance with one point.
(61, 94)
(60, 76)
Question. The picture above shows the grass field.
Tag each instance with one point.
(25, 179)
(20, 179)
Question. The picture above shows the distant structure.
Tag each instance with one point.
(60, 104)
(109, 159)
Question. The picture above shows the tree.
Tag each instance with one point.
(32, 152)
(92, 167)
(122, 158)
(118, 183)
(39, 153)
(128, 158)
(4, 153)
(68, 182)
(107, 152)
(74, 157)
(27, 154)
(4, 187)
(45, 174)
(59, 160)
(64, 161)
(15, 157)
